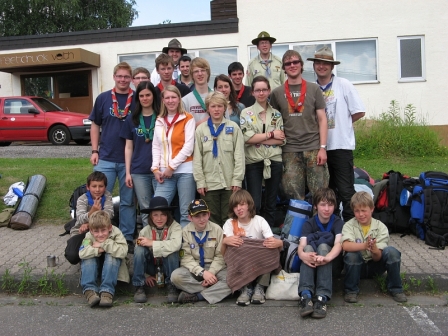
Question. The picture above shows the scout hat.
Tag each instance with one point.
(324, 54)
(197, 206)
(157, 203)
(263, 36)
(174, 44)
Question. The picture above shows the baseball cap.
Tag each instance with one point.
(197, 206)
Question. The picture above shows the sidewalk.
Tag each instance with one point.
(35, 244)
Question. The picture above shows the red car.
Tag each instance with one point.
(38, 119)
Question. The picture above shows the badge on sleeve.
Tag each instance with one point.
(192, 246)
(205, 139)
(181, 253)
(242, 121)
(229, 129)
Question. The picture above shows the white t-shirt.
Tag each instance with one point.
(192, 106)
(257, 228)
(155, 77)
(342, 101)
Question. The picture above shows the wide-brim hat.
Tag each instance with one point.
(174, 44)
(157, 203)
(263, 36)
(324, 54)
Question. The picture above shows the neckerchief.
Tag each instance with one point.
(215, 135)
(240, 94)
(148, 134)
(199, 98)
(90, 199)
(168, 124)
(200, 243)
(300, 102)
(115, 104)
(268, 68)
(329, 226)
(159, 261)
(160, 85)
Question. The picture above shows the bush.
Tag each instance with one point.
(396, 134)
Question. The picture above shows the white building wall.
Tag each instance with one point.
(297, 21)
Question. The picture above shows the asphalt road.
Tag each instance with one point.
(44, 150)
(71, 316)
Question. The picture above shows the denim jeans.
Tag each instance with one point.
(342, 179)
(113, 170)
(144, 263)
(108, 266)
(319, 278)
(356, 269)
(185, 186)
(144, 186)
(254, 180)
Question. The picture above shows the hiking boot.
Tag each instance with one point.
(306, 306)
(173, 293)
(245, 296)
(106, 299)
(319, 309)
(140, 295)
(399, 297)
(185, 297)
(351, 297)
(258, 297)
(92, 297)
(131, 246)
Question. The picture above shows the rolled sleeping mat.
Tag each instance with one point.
(24, 215)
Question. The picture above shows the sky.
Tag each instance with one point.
(152, 12)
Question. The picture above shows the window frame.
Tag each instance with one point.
(423, 59)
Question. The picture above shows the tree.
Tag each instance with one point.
(36, 17)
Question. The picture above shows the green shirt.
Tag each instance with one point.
(352, 231)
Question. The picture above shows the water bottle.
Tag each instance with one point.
(160, 278)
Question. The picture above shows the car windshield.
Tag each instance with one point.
(46, 105)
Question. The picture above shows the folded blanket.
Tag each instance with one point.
(247, 262)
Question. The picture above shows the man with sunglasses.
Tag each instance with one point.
(344, 107)
(305, 125)
(265, 64)
(111, 109)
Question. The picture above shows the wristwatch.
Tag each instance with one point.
(323, 146)
(95, 151)
(201, 273)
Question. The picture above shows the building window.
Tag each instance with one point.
(358, 58)
(146, 60)
(411, 59)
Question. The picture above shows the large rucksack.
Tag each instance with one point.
(429, 207)
(79, 191)
(387, 203)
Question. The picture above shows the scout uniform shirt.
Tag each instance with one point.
(252, 124)
(256, 68)
(212, 249)
(352, 231)
(163, 248)
(225, 170)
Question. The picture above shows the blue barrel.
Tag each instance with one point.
(298, 212)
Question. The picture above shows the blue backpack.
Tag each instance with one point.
(429, 206)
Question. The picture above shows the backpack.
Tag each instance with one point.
(387, 203)
(429, 208)
(81, 190)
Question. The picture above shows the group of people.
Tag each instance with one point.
(175, 136)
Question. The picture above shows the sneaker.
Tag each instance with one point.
(319, 309)
(351, 297)
(399, 297)
(92, 297)
(106, 299)
(185, 297)
(130, 246)
(173, 293)
(140, 295)
(306, 306)
(245, 296)
(258, 297)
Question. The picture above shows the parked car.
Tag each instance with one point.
(38, 119)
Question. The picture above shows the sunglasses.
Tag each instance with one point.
(287, 64)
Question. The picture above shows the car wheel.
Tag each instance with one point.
(4, 144)
(82, 142)
(59, 135)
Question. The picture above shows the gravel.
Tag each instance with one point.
(44, 150)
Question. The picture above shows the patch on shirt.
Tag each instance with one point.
(277, 114)
(181, 253)
(242, 121)
(250, 113)
(211, 239)
(243, 130)
(85, 243)
(192, 246)
(229, 130)
(205, 139)
(358, 241)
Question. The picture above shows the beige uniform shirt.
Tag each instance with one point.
(172, 243)
(255, 68)
(212, 249)
(225, 170)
